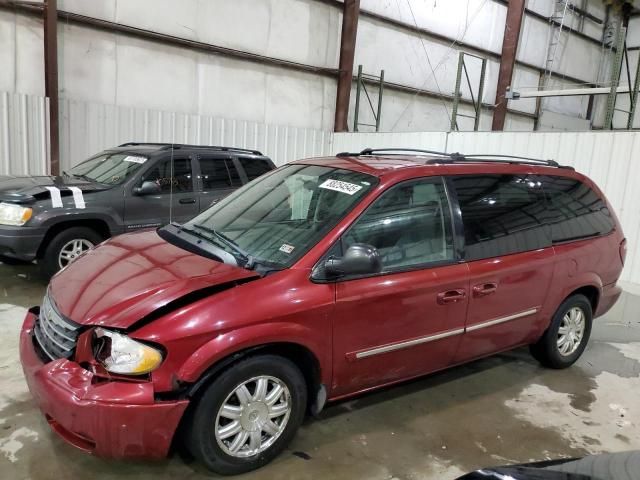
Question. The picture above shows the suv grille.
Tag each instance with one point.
(55, 335)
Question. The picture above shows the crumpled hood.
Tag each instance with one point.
(132, 275)
(29, 189)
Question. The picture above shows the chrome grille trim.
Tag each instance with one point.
(55, 335)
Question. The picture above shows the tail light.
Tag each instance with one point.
(623, 250)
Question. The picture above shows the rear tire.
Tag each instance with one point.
(568, 334)
(237, 427)
(50, 262)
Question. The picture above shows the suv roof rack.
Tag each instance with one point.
(166, 146)
(457, 157)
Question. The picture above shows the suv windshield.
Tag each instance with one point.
(108, 168)
(277, 218)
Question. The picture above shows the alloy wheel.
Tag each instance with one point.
(253, 416)
(72, 250)
(571, 331)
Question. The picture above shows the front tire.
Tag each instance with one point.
(248, 415)
(567, 336)
(65, 247)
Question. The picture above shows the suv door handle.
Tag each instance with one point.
(187, 200)
(451, 296)
(484, 289)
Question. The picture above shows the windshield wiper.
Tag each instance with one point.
(75, 175)
(245, 257)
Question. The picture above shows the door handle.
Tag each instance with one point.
(451, 296)
(484, 289)
(186, 201)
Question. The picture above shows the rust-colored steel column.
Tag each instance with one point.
(515, 12)
(350, 13)
(51, 79)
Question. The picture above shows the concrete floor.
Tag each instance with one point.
(500, 410)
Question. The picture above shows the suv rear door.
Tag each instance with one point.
(218, 176)
(510, 259)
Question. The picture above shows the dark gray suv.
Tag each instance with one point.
(133, 186)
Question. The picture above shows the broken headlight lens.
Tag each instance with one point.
(120, 354)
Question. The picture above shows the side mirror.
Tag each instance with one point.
(148, 188)
(359, 259)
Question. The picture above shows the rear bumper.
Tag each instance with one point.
(21, 243)
(108, 419)
(610, 295)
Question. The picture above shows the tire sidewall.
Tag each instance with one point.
(552, 347)
(203, 443)
(49, 261)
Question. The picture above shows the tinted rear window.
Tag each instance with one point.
(575, 210)
(254, 167)
(502, 214)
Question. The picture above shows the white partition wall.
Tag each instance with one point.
(611, 159)
(87, 128)
(24, 134)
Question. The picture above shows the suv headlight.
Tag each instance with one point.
(120, 354)
(11, 214)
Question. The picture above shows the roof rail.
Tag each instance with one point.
(457, 157)
(167, 146)
(395, 151)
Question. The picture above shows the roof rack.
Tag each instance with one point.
(167, 146)
(457, 157)
(395, 151)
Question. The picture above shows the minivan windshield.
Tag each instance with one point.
(108, 168)
(278, 217)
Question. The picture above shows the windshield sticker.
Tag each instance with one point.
(286, 248)
(78, 199)
(342, 187)
(133, 159)
(56, 198)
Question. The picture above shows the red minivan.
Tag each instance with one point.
(320, 280)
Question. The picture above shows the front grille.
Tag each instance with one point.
(55, 335)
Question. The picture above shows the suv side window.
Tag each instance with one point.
(502, 214)
(218, 173)
(409, 225)
(254, 167)
(161, 173)
(575, 211)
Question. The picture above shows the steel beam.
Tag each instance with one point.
(350, 14)
(51, 80)
(515, 12)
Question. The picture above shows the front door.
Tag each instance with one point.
(508, 250)
(177, 200)
(407, 320)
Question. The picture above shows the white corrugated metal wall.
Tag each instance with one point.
(24, 134)
(87, 128)
(611, 159)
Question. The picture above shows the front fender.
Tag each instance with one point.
(244, 338)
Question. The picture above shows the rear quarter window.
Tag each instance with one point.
(502, 214)
(254, 167)
(575, 210)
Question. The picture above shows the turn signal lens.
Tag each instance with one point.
(120, 354)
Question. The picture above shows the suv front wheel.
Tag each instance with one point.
(248, 415)
(65, 247)
(567, 336)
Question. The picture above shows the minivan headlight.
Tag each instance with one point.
(11, 214)
(120, 354)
